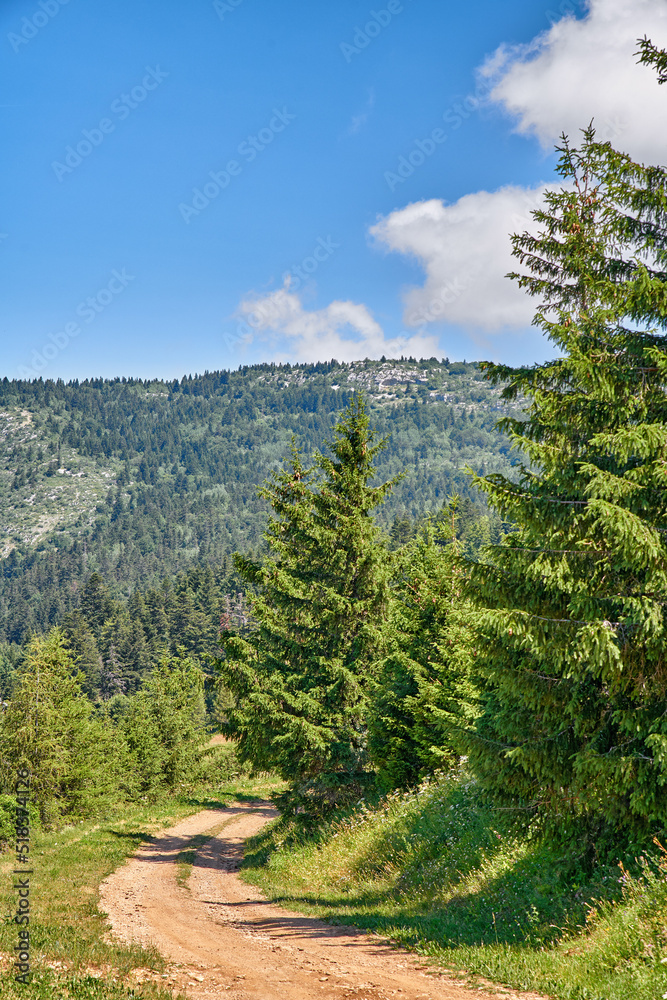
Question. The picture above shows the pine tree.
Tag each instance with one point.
(571, 652)
(126, 653)
(95, 603)
(425, 676)
(301, 676)
(651, 55)
(11, 656)
(194, 630)
(84, 651)
(402, 531)
(163, 727)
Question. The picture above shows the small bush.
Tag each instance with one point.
(163, 728)
(219, 764)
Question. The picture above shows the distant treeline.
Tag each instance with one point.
(117, 641)
(185, 459)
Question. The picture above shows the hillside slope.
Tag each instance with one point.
(139, 480)
(443, 871)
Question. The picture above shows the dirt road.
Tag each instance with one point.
(224, 940)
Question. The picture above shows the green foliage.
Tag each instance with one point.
(79, 759)
(127, 659)
(402, 531)
(49, 728)
(116, 643)
(476, 528)
(85, 652)
(11, 657)
(424, 677)
(301, 675)
(651, 55)
(163, 727)
(217, 765)
(571, 622)
(45, 985)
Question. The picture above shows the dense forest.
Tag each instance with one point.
(140, 481)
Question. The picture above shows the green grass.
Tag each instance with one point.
(66, 928)
(439, 872)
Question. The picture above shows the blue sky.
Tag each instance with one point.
(116, 115)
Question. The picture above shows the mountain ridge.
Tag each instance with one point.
(140, 480)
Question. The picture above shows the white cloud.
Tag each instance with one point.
(343, 330)
(465, 250)
(576, 71)
(583, 69)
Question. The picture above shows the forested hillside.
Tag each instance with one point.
(139, 481)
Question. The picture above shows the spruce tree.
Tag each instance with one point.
(95, 604)
(126, 653)
(163, 727)
(425, 674)
(85, 652)
(571, 661)
(300, 674)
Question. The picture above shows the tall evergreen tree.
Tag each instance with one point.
(301, 676)
(426, 673)
(571, 653)
(84, 651)
(95, 603)
(125, 651)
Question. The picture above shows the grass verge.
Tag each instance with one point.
(72, 956)
(440, 873)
